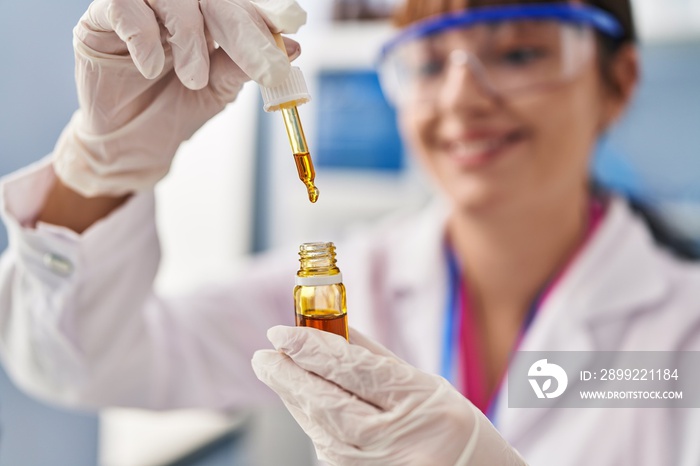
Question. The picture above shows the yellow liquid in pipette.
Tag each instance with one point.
(307, 174)
(297, 141)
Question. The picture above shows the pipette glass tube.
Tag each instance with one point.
(302, 158)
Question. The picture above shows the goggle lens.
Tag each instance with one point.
(506, 57)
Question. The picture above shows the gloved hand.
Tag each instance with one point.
(149, 75)
(361, 405)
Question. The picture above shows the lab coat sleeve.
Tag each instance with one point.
(80, 324)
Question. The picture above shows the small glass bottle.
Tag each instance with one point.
(319, 295)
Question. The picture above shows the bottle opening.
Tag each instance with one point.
(317, 258)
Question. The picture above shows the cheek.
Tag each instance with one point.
(565, 129)
(417, 128)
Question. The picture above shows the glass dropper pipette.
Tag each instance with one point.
(286, 97)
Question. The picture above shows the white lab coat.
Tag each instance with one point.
(80, 324)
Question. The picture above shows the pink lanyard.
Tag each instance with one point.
(469, 362)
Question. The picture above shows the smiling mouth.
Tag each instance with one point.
(476, 153)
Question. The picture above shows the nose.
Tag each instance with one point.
(465, 86)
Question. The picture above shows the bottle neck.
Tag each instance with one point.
(317, 259)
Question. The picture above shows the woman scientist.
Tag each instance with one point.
(502, 101)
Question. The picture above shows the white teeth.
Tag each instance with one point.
(467, 150)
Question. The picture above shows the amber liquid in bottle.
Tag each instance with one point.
(319, 297)
(333, 322)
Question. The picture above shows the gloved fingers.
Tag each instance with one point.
(328, 448)
(357, 338)
(185, 27)
(225, 77)
(136, 25)
(241, 31)
(285, 16)
(293, 48)
(211, 45)
(322, 408)
(380, 380)
(487, 446)
(442, 428)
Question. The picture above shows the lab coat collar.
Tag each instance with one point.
(612, 275)
(615, 276)
(416, 282)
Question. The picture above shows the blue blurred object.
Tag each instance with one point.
(33, 434)
(614, 171)
(653, 156)
(356, 126)
(654, 153)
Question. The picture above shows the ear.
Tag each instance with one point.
(624, 76)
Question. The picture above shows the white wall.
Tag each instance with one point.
(205, 204)
(667, 20)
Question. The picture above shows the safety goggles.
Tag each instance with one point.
(507, 49)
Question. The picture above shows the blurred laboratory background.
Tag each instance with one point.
(248, 198)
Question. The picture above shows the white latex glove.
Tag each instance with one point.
(361, 405)
(149, 75)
